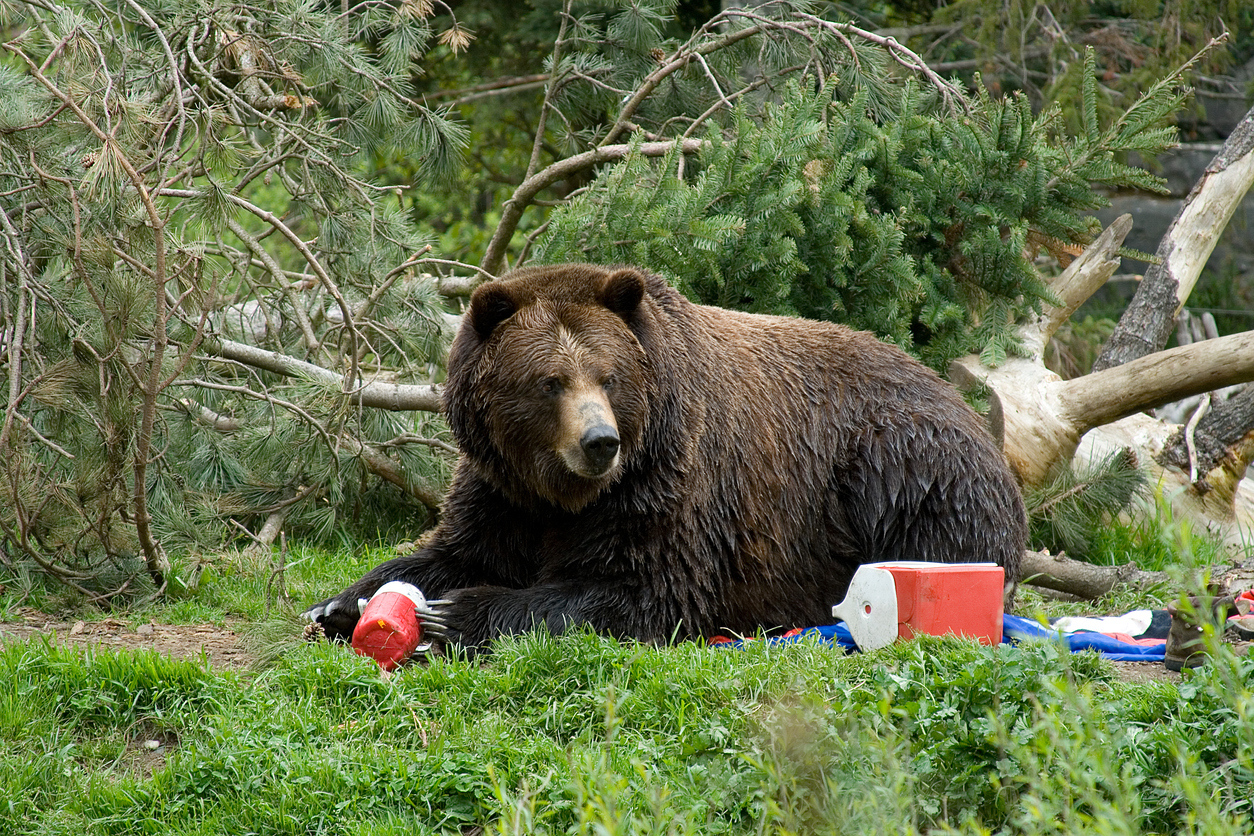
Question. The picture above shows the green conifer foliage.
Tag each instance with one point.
(184, 180)
(900, 218)
(1076, 501)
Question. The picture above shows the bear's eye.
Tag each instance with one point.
(550, 386)
(608, 383)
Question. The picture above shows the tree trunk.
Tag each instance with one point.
(1210, 456)
(1040, 418)
(1150, 317)
(390, 396)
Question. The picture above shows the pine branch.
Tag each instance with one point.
(954, 97)
(555, 79)
(377, 463)
(501, 86)
(676, 62)
(511, 212)
(312, 343)
(155, 558)
(312, 260)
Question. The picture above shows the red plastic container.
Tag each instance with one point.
(938, 599)
(389, 630)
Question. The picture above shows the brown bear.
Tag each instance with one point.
(655, 468)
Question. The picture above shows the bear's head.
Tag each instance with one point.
(549, 387)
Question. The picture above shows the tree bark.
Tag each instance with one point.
(1223, 437)
(385, 468)
(392, 396)
(1084, 580)
(1150, 317)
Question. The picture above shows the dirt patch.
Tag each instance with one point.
(147, 751)
(1137, 672)
(1140, 672)
(219, 646)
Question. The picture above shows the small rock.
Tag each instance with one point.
(144, 629)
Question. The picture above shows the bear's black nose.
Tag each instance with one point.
(600, 445)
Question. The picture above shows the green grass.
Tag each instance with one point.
(582, 734)
(588, 735)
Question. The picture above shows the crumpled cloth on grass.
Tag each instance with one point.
(1014, 629)
(1114, 647)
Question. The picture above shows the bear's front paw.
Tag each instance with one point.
(337, 616)
(436, 618)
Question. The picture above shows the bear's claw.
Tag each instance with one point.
(335, 619)
(434, 620)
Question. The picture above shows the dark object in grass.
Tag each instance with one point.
(1186, 642)
(657, 469)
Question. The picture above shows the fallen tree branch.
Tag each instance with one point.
(397, 397)
(1084, 580)
(1149, 318)
(1084, 276)
(390, 471)
(1159, 378)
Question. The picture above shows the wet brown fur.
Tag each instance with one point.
(762, 460)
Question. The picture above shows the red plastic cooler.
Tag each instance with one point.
(938, 599)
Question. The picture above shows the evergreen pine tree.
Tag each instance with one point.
(913, 223)
(184, 183)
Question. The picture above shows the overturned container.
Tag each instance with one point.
(903, 599)
(389, 630)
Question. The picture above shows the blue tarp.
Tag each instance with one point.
(1014, 629)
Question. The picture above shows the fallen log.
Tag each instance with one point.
(1084, 580)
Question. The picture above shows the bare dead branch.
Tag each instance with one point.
(1085, 580)
(1147, 322)
(397, 397)
(410, 438)
(205, 415)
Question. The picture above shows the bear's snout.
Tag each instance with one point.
(589, 443)
(600, 446)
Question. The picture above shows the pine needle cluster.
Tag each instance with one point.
(871, 205)
(177, 178)
(1067, 510)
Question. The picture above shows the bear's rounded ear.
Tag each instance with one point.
(490, 305)
(622, 291)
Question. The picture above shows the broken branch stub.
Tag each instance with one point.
(1184, 250)
(1040, 417)
(1026, 412)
